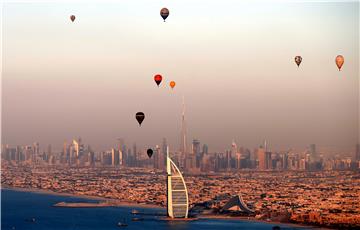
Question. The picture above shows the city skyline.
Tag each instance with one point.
(228, 146)
(235, 68)
(180, 114)
(199, 159)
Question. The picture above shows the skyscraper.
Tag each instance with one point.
(159, 162)
(357, 153)
(196, 147)
(36, 148)
(205, 149)
(228, 160)
(125, 154)
(234, 149)
(64, 153)
(129, 158)
(135, 163)
(262, 158)
(120, 143)
(183, 131)
(313, 154)
(113, 153)
(265, 145)
(163, 150)
(122, 151)
(121, 162)
(76, 148)
(91, 158)
(196, 152)
(36, 151)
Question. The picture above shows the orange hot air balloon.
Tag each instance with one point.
(339, 60)
(172, 84)
(72, 18)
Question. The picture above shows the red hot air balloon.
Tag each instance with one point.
(339, 60)
(72, 18)
(164, 13)
(158, 79)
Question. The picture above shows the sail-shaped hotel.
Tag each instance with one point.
(177, 195)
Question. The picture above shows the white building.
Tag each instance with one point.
(177, 195)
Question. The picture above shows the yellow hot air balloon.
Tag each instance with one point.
(339, 60)
(172, 84)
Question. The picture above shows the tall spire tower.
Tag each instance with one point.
(265, 145)
(183, 130)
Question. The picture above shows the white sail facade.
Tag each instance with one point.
(177, 195)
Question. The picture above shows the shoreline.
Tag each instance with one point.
(136, 205)
(253, 219)
(96, 198)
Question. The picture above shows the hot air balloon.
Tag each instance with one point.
(339, 60)
(149, 152)
(158, 79)
(172, 84)
(164, 12)
(140, 116)
(72, 18)
(298, 60)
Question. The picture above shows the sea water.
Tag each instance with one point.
(18, 208)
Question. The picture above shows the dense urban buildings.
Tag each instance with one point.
(326, 198)
(199, 159)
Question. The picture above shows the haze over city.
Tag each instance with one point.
(233, 63)
(206, 114)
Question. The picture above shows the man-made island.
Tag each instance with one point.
(83, 205)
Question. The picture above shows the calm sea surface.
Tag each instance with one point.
(18, 207)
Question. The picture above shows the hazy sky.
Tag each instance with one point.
(233, 62)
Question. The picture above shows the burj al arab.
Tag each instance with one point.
(177, 195)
